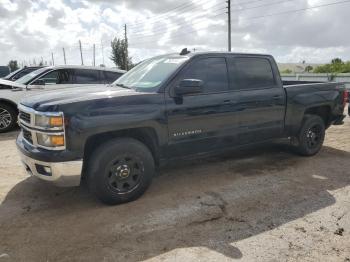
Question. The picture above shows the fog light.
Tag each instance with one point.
(47, 169)
(43, 170)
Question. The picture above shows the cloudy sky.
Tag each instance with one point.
(33, 29)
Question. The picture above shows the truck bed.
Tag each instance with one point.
(301, 94)
(296, 82)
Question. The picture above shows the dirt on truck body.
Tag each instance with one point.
(264, 204)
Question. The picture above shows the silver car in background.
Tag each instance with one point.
(47, 79)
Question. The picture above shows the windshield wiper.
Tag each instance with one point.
(123, 86)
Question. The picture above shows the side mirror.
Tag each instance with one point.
(189, 86)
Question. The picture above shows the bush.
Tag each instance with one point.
(336, 66)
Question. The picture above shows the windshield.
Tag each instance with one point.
(150, 74)
(29, 77)
(12, 74)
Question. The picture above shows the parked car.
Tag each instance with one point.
(166, 108)
(21, 72)
(48, 79)
(4, 70)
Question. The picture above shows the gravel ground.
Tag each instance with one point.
(262, 204)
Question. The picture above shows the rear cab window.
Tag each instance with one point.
(87, 76)
(251, 73)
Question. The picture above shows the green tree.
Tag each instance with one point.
(336, 61)
(336, 66)
(308, 68)
(119, 54)
(286, 71)
(13, 65)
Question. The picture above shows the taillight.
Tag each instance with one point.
(345, 97)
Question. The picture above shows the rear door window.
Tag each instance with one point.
(251, 73)
(87, 76)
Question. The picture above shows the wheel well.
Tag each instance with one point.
(9, 103)
(145, 135)
(321, 111)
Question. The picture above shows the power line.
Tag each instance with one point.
(295, 10)
(259, 6)
(176, 26)
(184, 6)
(262, 16)
(161, 30)
(184, 32)
(138, 34)
(140, 29)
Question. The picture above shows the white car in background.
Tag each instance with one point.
(47, 79)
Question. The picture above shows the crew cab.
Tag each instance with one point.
(169, 107)
(48, 79)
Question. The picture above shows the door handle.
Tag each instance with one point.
(276, 97)
(227, 101)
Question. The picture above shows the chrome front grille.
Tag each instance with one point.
(27, 135)
(24, 116)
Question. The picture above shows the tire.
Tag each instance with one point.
(8, 118)
(311, 135)
(120, 171)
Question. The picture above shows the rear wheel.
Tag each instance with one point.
(8, 118)
(120, 171)
(311, 136)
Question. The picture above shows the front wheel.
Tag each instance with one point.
(311, 135)
(8, 118)
(120, 171)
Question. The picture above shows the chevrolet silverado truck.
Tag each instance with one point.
(48, 79)
(166, 108)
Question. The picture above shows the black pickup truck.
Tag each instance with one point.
(169, 107)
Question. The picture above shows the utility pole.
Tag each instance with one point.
(126, 48)
(94, 54)
(64, 56)
(229, 24)
(103, 53)
(81, 53)
(53, 60)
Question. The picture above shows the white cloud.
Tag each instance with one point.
(33, 29)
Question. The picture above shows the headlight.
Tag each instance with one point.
(50, 140)
(48, 121)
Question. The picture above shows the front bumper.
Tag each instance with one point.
(65, 173)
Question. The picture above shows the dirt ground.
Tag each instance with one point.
(262, 204)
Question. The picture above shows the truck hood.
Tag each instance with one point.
(45, 100)
(6, 84)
